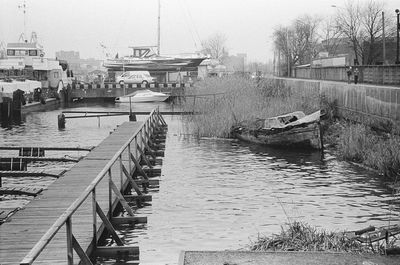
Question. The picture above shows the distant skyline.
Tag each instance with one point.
(82, 25)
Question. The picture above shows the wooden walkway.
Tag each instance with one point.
(27, 226)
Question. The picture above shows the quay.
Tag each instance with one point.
(113, 90)
(79, 210)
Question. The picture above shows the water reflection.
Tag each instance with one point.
(218, 194)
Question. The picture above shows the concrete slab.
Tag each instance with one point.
(282, 258)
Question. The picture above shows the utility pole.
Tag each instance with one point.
(383, 39)
(288, 52)
(159, 29)
(397, 31)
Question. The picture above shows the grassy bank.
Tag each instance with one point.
(360, 144)
(223, 102)
(298, 236)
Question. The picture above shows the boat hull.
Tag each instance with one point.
(136, 99)
(300, 136)
(152, 65)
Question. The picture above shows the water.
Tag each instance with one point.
(220, 194)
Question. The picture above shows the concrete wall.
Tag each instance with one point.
(374, 105)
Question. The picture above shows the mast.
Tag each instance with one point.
(23, 7)
(158, 30)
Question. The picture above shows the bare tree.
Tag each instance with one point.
(348, 21)
(331, 36)
(305, 39)
(362, 25)
(215, 46)
(297, 42)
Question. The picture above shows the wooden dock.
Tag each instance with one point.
(64, 223)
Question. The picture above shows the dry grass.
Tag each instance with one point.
(302, 237)
(358, 143)
(224, 102)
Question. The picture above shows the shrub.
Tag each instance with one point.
(302, 237)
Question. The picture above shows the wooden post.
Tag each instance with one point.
(70, 253)
(120, 171)
(94, 202)
(129, 160)
(61, 121)
(109, 193)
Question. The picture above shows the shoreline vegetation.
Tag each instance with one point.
(223, 102)
(300, 236)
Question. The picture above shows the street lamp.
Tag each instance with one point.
(397, 31)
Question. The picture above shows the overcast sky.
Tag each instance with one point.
(81, 25)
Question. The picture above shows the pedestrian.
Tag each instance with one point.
(349, 72)
(356, 73)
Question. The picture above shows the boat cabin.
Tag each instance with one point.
(283, 120)
(24, 49)
(143, 52)
(25, 60)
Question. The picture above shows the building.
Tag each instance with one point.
(80, 67)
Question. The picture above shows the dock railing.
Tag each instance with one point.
(126, 161)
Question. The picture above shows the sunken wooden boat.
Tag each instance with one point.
(289, 130)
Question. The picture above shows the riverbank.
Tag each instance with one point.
(358, 143)
(224, 102)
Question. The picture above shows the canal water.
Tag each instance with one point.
(217, 194)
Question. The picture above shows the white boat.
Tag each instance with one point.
(25, 60)
(145, 95)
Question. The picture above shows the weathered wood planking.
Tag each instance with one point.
(27, 226)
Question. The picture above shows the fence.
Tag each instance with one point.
(378, 106)
(373, 74)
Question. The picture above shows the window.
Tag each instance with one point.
(33, 53)
(21, 52)
(55, 75)
(10, 52)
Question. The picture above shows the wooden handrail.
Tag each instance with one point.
(63, 219)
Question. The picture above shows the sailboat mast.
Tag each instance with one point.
(23, 7)
(158, 31)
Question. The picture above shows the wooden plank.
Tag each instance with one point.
(22, 174)
(129, 220)
(51, 159)
(48, 148)
(142, 198)
(20, 191)
(117, 251)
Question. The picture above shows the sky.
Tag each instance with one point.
(82, 25)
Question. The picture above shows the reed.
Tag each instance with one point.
(221, 103)
(359, 143)
(299, 236)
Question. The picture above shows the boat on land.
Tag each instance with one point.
(144, 58)
(145, 95)
(289, 130)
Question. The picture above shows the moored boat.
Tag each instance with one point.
(145, 95)
(289, 130)
(144, 58)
